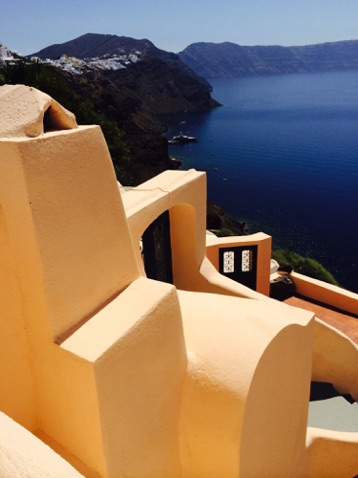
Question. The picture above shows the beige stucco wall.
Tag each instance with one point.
(66, 213)
(331, 454)
(326, 293)
(127, 374)
(263, 242)
(247, 387)
(17, 397)
(22, 455)
(335, 359)
(110, 393)
(23, 110)
(92, 344)
(183, 194)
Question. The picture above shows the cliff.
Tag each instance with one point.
(131, 82)
(229, 60)
(160, 81)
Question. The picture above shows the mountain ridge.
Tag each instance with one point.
(230, 60)
(89, 45)
(104, 46)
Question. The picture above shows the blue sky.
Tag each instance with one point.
(27, 26)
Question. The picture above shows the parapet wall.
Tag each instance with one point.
(326, 293)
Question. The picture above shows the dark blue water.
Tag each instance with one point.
(281, 154)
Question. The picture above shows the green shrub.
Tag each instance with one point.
(304, 265)
(224, 232)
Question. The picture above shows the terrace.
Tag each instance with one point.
(344, 322)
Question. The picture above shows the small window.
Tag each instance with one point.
(246, 261)
(229, 262)
(239, 263)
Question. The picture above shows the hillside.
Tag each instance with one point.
(156, 78)
(131, 82)
(229, 60)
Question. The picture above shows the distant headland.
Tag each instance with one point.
(229, 60)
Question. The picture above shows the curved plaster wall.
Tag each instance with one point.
(335, 359)
(28, 112)
(247, 387)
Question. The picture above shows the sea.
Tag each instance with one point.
(281, 155)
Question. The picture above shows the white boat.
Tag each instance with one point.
(182, 138)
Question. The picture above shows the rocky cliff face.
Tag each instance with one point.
(229, 60)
